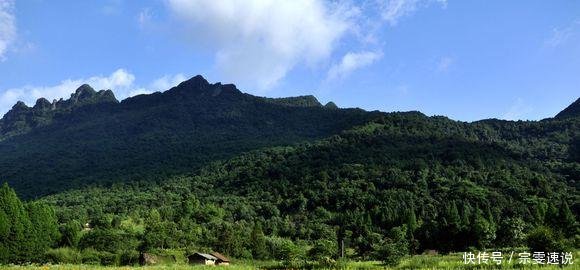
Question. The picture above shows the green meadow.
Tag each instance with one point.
(450, 261)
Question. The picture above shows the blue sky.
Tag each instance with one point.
(468, 60)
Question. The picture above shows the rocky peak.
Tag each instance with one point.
(18, 110)
(20, 106)
(22, 118)
(331, 105)
(107, 95)
(42, 104)
(199, 86)
(196, 83)
(84, 92)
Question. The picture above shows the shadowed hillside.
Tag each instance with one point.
(92, 138)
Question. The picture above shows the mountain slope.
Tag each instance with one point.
(571, 111)
(463, 184)
(93, 139)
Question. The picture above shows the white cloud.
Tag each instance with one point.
(259, 41)
(7, 26)
(166, 82)
(121, 82)
(444, 64)
(256, 43)
(160, 84)
(518, 110)
(393, 10)
(352, 61)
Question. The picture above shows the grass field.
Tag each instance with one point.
(451, 261)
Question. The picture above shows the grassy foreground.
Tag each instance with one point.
(451, 261)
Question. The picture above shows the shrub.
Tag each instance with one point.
(63, 256)
(323, 249)
(394, 247)
(91, 256)
(109, 259)
(130, 257)
(544, 239)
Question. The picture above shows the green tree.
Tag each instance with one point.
(44, 227)
(156, 233)
(511, 232)
(323, 249)
(18, 245)
(484, 230)
(70, 234)
(258, 243)
(394, 247)
(567, 221)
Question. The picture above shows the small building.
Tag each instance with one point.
(221, 259)
(202, 258)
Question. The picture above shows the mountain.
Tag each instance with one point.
(92, 138)
(448, 185)
(21, 118)
(571, 111)
(206, 167)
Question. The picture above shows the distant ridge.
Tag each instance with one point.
(299, 101)
(92, 138)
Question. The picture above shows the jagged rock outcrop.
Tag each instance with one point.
(331, 105)
(21, 118)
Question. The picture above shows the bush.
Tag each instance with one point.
(109, 259)
(544, 239)
(130, 257)
(109, 240)
(63, 256)
(91, 256)
(323, 249)
(394, 247)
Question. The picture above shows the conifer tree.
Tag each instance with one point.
(18, 244)
(258, 243)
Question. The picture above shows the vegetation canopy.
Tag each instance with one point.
(204, 167)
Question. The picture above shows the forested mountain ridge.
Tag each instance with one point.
(206, 167)
(92, 138)
(442, 184)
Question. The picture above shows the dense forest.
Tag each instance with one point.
(381, 185)
(91, 138)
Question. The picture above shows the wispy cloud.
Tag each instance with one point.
(351, 62)
(144, 17)
(560, 36)
(7, 26)
(518, 110)
(393, 10)
(120, 81)
(112, 7)
(444, 64)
